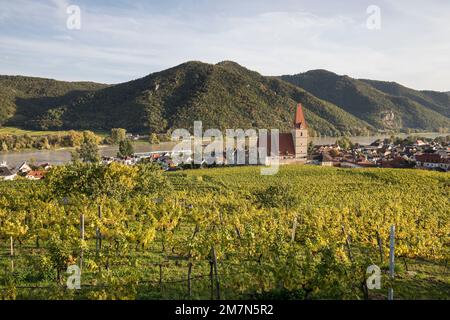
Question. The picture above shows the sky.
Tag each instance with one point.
(123, 40)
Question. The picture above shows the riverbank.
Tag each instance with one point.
(63, 155)
(35, 133)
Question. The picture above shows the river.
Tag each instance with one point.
(62, 156)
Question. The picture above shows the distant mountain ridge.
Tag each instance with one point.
(385, 105)
(224, 95)
(437, 101)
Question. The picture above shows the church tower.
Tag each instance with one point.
(300, 134)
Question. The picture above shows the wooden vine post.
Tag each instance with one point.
(294, 228)
(211, 278)
(98, 242)
(348, 244)
(190, 264)
(82, 240)
(11, 240)
(160, 277)
(216, 273)
(392, 262)
(380, 247)
(189, 279)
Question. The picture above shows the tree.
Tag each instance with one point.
(118, 135)
(3, 146)
(310, 148)
(88, 152)
(44, 143)
(154, 138)
(114, 180)
(89, 136)
(345, 143)
(75, 139)
(125, 149)
(151, 180)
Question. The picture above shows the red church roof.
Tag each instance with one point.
(285, 145)
(300, 122)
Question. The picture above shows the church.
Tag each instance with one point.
(293, 146)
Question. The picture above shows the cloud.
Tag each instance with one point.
(124, 42)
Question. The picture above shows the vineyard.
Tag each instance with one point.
(224, 233)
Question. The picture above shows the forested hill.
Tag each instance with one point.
(24, 99)
(437, 101)
(385, 105)
(224, 95)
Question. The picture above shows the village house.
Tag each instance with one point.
(445, 153)
(397, 162)
(326, 160)
(46, 166)
(375, 145)
(385, 154)
(432, 161)
(24, 168)
(7, 174)
(420, 143)
(128, 161)
(133, 137)
(364, 163)
(35, 175)
(107, 160)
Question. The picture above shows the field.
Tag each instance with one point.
(228, 233)
(35, 133)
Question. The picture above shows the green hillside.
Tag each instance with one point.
(437, 101)
(386, 106)
(225, 95)
(24, 99)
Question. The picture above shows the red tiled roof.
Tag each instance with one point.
(36, 174)
(431, 158)
(286, 144)
(397, 162)
(300, 122)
